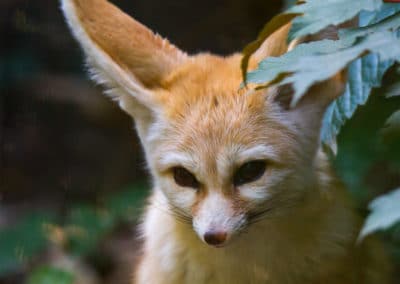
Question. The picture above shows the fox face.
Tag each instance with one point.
(215, 151)
(224, 157)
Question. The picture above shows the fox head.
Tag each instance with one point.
(223, 156)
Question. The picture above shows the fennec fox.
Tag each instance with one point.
(241, 193)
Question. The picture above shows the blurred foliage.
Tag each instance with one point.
(80, 233)
(50, 275)
(22, 241)
(86, 225)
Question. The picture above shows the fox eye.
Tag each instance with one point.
(185, 178)
(248, 172)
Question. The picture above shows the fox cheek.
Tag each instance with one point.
(254, 195)
(180, 198)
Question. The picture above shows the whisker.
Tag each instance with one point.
(258, 216)
(177, 213)
(179, 210)
(266, 212)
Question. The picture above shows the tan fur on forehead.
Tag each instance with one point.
(203, 79)
(208, 112)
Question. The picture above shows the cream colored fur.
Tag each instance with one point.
(190, 112)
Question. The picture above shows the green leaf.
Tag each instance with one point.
(394, 90)
(317, 14)
(22, 241)
(393, 121)
(306, 64)
(372, 17)
(363, 75)
(313, 16)
(50, 275)
(270, 68)
(85, 227)
(127, 204)
(385, 212)
(289, 3)
(391, 130)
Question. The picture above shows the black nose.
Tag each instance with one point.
(215, 238)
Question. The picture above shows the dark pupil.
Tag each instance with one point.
(184, 178)
(249, 172)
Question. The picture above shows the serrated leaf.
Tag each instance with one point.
(270, 68)
(385, 212)
(313, 16)
(372, 17)
(50, 275)
(317, 14)
(306, 64)
(363, 74)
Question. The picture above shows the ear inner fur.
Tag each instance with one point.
(124, 56)
(130, 44)
(274, 45)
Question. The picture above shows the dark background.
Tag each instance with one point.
(61, 141)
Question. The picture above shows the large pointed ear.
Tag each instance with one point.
(125, 56)
(275, 45)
